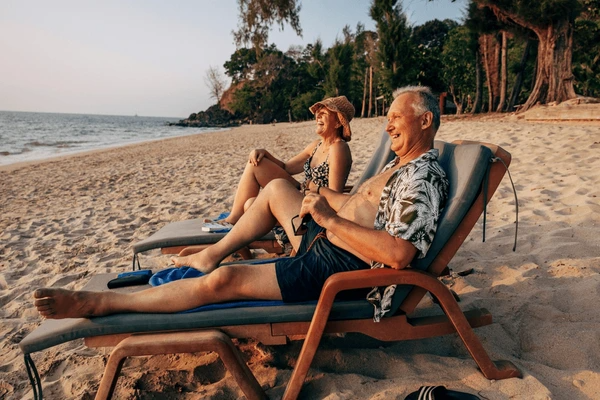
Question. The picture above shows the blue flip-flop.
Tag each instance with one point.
(439, 393)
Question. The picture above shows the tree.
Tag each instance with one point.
(257, 16)
(216, 83)
(395, 49)
(366, 61)
(586, 51)
(429, 39)
(240, 65)
(339, 66)
(459, 61)
(553, 23)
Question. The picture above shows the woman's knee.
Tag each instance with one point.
(248, 203)
(278, 185)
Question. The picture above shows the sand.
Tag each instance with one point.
(67, 219)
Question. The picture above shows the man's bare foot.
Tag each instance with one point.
(196, 261)
(61, 303)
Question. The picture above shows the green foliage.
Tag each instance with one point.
(395, 48)
(515, 53)
(441, 54)
(240, 65)
(458, 58)
(586, 58)
(539, 12)
(339, 58)
(301, 103)
(257, 16)
(429, 39)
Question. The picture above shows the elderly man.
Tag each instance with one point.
(390, 220)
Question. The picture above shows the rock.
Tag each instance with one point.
(213, 117)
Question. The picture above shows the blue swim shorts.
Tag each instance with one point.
(302, 277)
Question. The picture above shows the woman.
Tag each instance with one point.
(326, 162)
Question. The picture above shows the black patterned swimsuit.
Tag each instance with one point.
(319, 175)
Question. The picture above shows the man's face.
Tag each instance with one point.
(404, 126)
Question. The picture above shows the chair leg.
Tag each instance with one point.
(311, 343)
(180, 342)
(491, 370)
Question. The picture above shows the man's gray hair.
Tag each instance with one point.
(428, 102)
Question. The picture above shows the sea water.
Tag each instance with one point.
(28, 136)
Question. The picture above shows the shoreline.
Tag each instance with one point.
(18, 164)
(66, 219)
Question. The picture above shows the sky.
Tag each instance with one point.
(147, 57)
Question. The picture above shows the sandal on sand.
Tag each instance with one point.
(439, 393)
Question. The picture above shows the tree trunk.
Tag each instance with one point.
(370, 90)
(479, 83)
(364, 102)
(503, 72)
(457, 101)
(516, 90)
(554, 77)
(490, 50)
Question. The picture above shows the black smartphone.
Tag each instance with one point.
(130, 279)
(303, 226)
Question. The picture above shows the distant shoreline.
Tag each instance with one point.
(20, 164)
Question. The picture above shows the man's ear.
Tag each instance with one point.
(426, 120)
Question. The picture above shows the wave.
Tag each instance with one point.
(61, 144)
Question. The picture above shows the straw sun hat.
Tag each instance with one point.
(343, 108)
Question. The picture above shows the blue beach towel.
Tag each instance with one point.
(173, 274)
(216, 222)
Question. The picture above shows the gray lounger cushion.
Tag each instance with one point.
(466, 166)
(183, 233)
(53, 332)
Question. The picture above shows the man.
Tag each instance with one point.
(390, 220)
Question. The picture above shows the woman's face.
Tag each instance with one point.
(327, 122)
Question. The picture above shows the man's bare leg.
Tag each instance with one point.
(279, 201)
(234, 282)
(253, 178)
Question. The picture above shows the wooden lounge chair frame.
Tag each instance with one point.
(394, 328)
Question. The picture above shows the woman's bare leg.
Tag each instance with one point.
(235, 282)
(279, 201)
(254, 178)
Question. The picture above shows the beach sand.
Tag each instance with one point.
(67, 219)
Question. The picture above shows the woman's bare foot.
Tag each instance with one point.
(62, 303)
(197, 261)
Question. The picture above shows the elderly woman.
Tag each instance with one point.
(326, 162)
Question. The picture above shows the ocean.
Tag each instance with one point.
(28, 136)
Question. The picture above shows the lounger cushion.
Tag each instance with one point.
(466, 166)
(183, 233)
(53, 332)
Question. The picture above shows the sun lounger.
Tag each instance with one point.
(176, 236)
(474, 175)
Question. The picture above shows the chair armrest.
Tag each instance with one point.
(375, 277)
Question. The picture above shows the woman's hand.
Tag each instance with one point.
(256, 155)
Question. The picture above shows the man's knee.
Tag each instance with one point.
(220, 279)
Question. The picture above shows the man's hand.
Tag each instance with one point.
(318, 207)
(256, 155)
